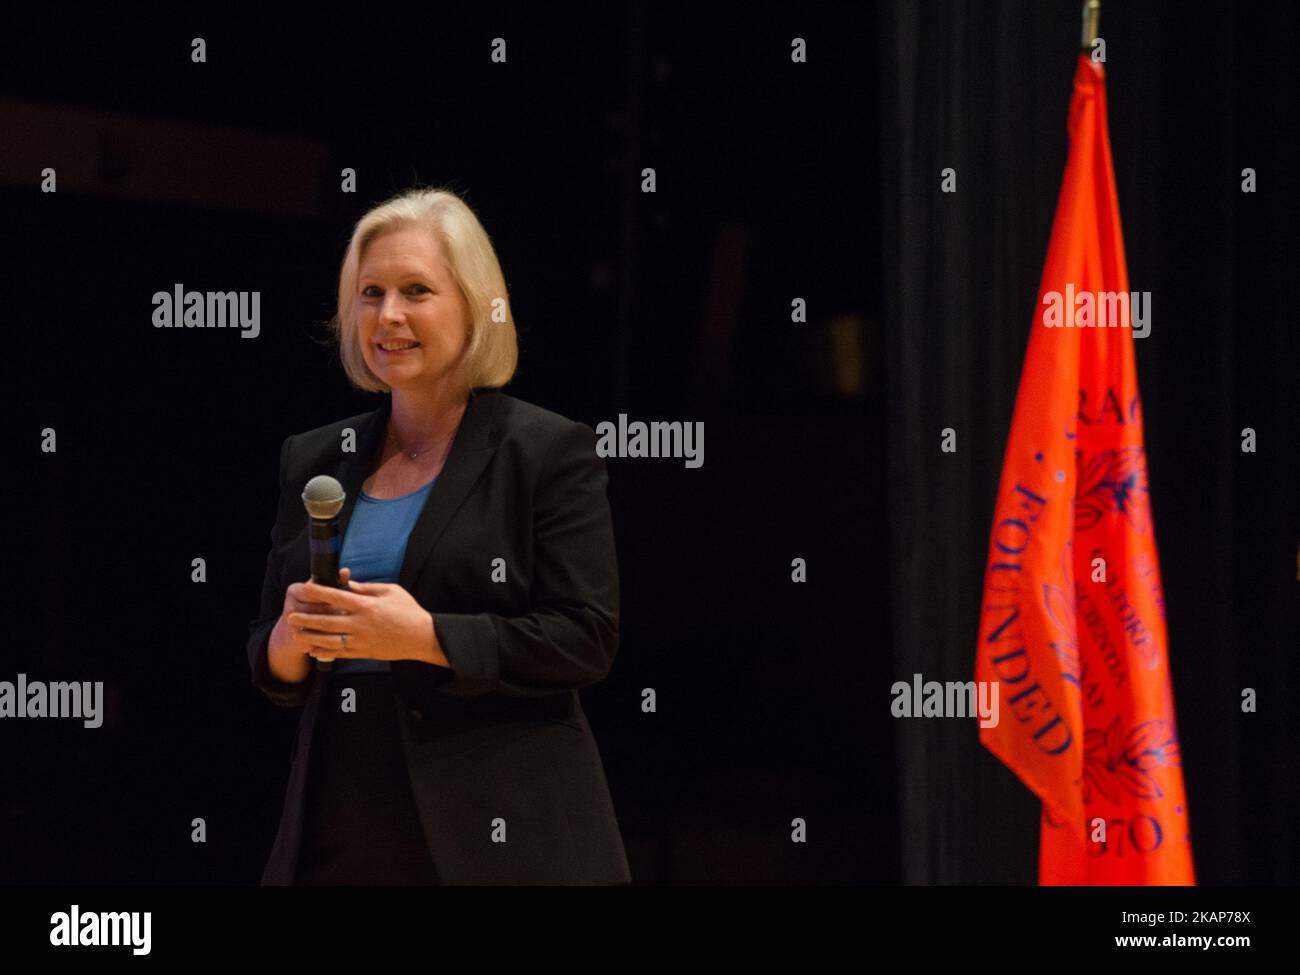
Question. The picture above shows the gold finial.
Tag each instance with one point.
(1091, 15)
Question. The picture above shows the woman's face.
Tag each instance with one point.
(405, 294)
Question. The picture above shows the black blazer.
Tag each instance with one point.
(500, 734)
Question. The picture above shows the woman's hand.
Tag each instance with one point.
(295, 641)
(288, 649)
(380, 620)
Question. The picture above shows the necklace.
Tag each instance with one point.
(414, 454)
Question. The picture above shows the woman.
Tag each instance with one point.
(448, 745)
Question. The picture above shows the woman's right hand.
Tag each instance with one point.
(287, 649)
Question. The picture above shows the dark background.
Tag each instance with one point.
(775, 180)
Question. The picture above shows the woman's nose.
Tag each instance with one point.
(390, 310)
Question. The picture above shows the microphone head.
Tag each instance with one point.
(323, 496)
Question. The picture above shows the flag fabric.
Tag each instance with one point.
(1072, 620)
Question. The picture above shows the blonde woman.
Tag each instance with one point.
(448, 745)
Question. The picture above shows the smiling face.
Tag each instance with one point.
(405, 294)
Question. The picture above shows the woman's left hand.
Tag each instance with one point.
(381, 621)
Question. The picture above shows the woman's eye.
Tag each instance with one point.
(373, 287)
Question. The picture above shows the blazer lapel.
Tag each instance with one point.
(469, 455)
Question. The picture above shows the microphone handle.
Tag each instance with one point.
(323, 539)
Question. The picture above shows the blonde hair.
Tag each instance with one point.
(493, 351)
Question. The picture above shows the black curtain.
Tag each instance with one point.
(983, 88)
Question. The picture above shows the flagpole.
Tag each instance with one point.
(1091, 15)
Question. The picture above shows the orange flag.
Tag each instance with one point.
(1072, 624)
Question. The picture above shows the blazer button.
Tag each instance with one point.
(416, 714)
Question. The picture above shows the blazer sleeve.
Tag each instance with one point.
(569, 638)
(259, 630)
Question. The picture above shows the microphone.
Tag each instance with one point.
(323, 498)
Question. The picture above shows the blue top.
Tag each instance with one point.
(373, 548)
